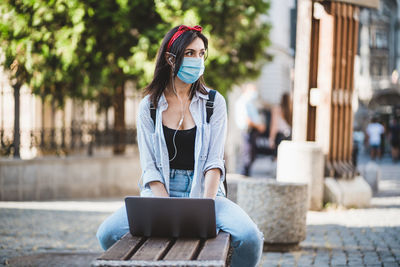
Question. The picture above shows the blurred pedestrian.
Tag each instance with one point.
(281, 122)
(374, 132)
(250, 121)
(395, 138)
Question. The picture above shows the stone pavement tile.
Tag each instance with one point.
(349, 241)
(355, 262)
(339, 260)
(321, 264)
(287, 259)
(390, 264)
(389, 259)
(270, 259)
(354, 258)
(273, 255)
(370, 261)
(305, 260)
(318, 242)
(307, 242)
(366, 247)
(387, 256)
(268, 264)
(396, 253)
(321, 261)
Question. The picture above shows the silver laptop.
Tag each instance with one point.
(171, 217)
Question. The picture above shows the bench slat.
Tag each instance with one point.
(122, 249)
(215, 248)
(183, 249)
(152, 249)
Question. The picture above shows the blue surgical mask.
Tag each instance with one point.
(191, 69)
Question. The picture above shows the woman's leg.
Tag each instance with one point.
(247, 241)
(113, 228)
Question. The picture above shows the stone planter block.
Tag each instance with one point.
(279, 209)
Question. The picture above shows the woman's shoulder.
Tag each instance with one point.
(145, 102)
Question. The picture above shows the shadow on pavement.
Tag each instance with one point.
(54, 259)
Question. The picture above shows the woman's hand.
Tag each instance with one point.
(158, 189)
(211, 183)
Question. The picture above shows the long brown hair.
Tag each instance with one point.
(286, 107)
(162, 71)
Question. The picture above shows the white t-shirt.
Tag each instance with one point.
(374, 131)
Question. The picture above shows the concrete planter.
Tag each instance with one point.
(71, 177)
(279, 209)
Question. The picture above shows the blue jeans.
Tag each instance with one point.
(246, 239)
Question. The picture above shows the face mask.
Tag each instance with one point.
(191, 69)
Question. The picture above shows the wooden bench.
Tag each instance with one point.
(142, 251)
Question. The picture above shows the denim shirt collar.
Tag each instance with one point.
(163, 100)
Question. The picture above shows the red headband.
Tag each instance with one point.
(181, 30)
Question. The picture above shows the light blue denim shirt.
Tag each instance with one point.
(209, 143)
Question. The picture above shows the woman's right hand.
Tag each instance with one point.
(158, 189)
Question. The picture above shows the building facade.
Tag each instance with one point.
(378, 62)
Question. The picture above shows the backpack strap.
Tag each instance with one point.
(210, 110)
(153, 113)
(210, 104)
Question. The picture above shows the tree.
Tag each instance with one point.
(115, 33)
(17, 48)
(89, 49)
(238, 31)
(38, 39)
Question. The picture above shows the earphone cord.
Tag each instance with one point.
(181, 120)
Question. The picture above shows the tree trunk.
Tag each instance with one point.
(17, 88)
(119, 121)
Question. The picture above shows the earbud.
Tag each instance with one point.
(171, 58)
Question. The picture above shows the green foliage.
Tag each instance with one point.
(117, 44)
(238, 36)
(41, 38)
(87, 48)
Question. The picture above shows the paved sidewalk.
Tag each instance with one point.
(62, 233)
(352, 237)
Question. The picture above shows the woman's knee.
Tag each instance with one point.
(247, 248)
(251, 238)
(105, 237)
(112, 228)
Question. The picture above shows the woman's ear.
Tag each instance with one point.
(170, 58)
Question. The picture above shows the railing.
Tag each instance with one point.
(85, 139)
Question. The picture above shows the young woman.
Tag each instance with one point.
(181, 154)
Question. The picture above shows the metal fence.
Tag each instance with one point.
(85, 139)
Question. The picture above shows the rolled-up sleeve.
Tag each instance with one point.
(145, 132)
(218, 124)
